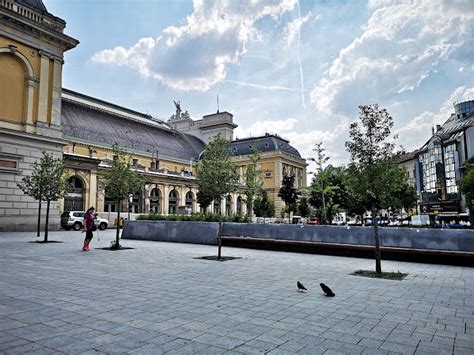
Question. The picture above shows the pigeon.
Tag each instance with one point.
(327, 291)
(300, 286)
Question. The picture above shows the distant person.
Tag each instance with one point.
(89, 228)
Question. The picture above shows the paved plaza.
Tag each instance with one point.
(157, 298)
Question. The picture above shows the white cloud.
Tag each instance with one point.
(418, 130)
(304, 142)
(293, 28)
(195, 56)
(401, 44)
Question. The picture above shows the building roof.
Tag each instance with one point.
(266, 143)
(409, 156)
(94, 124)
(33, 4)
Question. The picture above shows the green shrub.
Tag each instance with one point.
(196, 217)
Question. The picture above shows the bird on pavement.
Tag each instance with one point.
(327, 291)
(300, 286)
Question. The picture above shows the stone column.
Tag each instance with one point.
(31, 83)
(195, 204)
(93, 189)
(100, 200)
(166, 199)
(222, 203)
(182, 195)
(56, 94)
(43, 88)
(146, 200)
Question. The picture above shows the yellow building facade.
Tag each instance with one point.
(37, 114)
(32, 46)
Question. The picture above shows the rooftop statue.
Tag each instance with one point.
(178, 108)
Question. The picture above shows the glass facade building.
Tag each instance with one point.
(438, 165)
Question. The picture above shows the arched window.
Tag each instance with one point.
(189, 201)
(217, 206)
(239, 205)
(135, 203)
(12, 90)
(155, 201)
(228, 205)
(110, 205)
(74, 200)
(173, 202)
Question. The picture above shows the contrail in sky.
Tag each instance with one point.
(301, 68)
(264, 87)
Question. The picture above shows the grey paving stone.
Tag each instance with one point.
(158, 298)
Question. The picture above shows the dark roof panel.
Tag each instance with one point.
(265, 143)
(104, 128)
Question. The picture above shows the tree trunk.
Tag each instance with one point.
(471, 212)
(378, 266)
(219, 238)
(46, 223)
(38, 230)
(117, 234)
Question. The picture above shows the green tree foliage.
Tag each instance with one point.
(253, 180)
(120, 181)
(329, 183)
(467, 187)
(203, 199)
(48, 182)
(288, 193)
(216, 175)
(321, 159)
(304, 210)
(374, 178)
(262, 206)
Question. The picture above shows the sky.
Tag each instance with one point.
(299, 69)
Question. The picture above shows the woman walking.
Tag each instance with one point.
(89, 227)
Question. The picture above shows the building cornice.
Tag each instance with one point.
(44, 25)
(33, 136)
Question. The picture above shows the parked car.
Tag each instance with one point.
(75, 220)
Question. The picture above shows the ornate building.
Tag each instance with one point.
(37, 115)
(32, 44)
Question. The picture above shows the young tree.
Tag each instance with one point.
(330, 184)
(374, 178)
(263, 207)
(253, 180)
(467, 187)
(320, 160)
(303, 207)
(288, 193)
(216, 176)
(48, 182)
(120, 181)
(203, 199)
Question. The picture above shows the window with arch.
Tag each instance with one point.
(239, 205)
(135, 203)
(155, 200)
(74, 200)
(217, 207)
(228, 205)
(189, 199)
(173, 202)
(12, 87)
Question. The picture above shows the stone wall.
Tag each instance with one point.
(206, 233)
(168, 231)
(19, 212)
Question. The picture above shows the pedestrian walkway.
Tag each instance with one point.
(157, 298)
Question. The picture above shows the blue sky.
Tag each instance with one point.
(298, 69)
